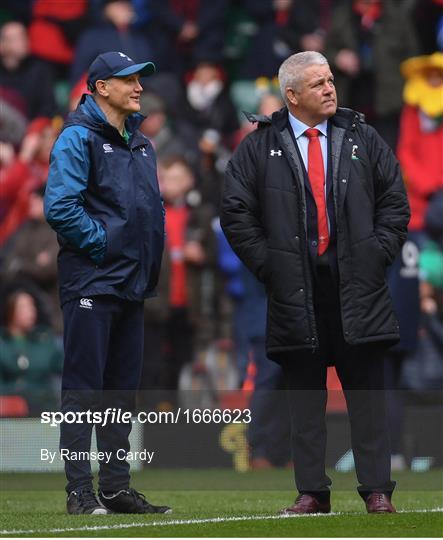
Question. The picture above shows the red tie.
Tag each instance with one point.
(316, 173)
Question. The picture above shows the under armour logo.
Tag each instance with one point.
(107, 148)
(143, 151)
(86, 303)
(275, 153)
(123, 55)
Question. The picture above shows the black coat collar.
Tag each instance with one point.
(343, 118)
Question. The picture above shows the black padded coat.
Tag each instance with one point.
(264, 218)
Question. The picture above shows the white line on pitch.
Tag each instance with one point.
(138, 524)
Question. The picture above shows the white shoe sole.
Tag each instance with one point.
(100, 512)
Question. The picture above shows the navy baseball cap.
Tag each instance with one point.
(115, 64)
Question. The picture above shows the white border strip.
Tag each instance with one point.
(138, 524)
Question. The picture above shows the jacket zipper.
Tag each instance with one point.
(140, 239)
(305, 261)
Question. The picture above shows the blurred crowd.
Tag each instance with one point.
(205, 329)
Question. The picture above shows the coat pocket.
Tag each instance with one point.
(287, 325)
(368, 266)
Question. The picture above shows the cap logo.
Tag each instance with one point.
(125, 56)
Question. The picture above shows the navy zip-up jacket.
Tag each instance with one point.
(103, 200)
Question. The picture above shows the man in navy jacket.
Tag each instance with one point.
(103, 200)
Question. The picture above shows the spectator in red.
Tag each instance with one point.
(421, 133)
(29, 79)
(55, 28)
(23, 175)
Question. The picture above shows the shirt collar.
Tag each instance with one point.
(299, 127)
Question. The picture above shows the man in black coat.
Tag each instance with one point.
(315, 206)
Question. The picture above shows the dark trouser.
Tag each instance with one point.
(360, 370)
(395, 399)
(103, 359)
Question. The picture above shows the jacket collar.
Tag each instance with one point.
(298, 127)
(343, 118)
(347, 118)
(95, 115)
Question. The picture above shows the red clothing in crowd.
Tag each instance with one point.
(421, 157)
(176, 224)
(18, 181)
(188, 9)
(46, 32)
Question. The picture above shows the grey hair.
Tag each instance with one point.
(291, 71)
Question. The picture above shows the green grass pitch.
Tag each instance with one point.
(222, 503)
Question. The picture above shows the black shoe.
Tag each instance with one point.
(130, 501)
(84, 502)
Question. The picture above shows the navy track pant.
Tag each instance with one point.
(103, 343)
